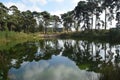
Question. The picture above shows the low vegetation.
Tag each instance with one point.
(112, 35)
(11, 36)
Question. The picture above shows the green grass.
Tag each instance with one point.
(16, 37)
(6, 36)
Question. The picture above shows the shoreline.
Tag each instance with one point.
(96, 35)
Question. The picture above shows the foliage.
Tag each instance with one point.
(114, 34)
(24, 21)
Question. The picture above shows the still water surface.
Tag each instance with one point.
(60, 60)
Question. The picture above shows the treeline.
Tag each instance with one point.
(12, 19)
(93, 14)
(94, 18)
(85, 16)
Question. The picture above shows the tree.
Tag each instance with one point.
(84, 13)
(91, 6)
(107, 5)
(118, 20)
(117, 4)
(79, 12)
(3, 16)
(14, 19)
(46, 19)
(39, 20)
(67, 20)
(56, 20)
(29, 21)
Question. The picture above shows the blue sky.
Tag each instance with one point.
(53, 6)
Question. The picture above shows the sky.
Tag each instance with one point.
(55, 7)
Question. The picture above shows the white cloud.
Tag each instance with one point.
(57, 0)
(20, 5)
(23, 7)
(57, 68)
(76, 1)
(58, 12)
(42, 2)
(36, 5)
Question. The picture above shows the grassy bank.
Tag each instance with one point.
(12, 36)
(9, 39)
(6, 37)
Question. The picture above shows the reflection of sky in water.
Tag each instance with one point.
(57, 68)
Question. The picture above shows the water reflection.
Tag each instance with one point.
(60, 60)
(56, 68)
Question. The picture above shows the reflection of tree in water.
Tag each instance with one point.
(4, 66)
(98, 57)
(24, 52)
(15, 56)
(81, 53)
(111, 68)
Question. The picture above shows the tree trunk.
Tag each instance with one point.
(95, 23)
(105, 19)
(76, 26)
(105, 52)
(92, 22)
(45, 28)
(55, 28)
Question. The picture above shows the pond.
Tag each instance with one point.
(60, 59)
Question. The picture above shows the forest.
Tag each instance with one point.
(86, 16)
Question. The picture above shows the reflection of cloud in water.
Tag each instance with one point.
(57, 68)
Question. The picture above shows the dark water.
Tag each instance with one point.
(60, 60)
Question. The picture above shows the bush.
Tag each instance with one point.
(114, 34)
